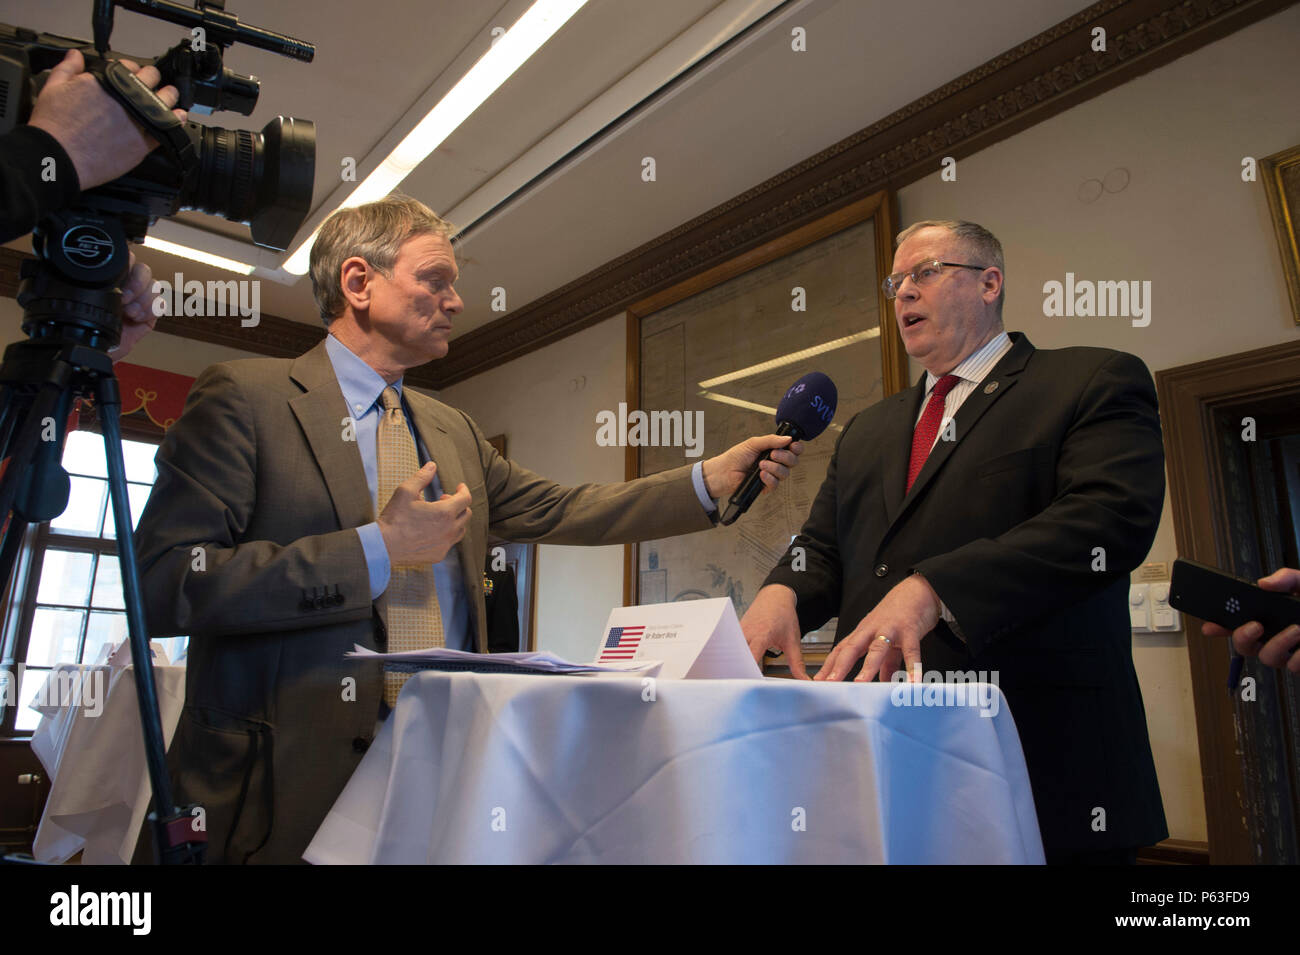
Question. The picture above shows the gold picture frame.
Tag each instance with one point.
(1281, 178)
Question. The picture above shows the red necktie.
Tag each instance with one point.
(927, 429)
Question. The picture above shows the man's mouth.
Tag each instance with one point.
(910, 320)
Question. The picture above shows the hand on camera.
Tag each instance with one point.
(94, 129)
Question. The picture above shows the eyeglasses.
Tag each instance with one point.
(923, 274)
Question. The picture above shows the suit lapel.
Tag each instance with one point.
(320, 411)
(995, 385)
(437, 440)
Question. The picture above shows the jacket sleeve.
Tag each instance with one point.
(527, 507)
(200, 575)
(1110, 484)
(31, 185)
(811, 565)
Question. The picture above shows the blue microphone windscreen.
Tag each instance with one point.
(809, 404)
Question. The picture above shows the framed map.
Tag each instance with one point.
(728, 343)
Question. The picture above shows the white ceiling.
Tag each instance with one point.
(747, 113)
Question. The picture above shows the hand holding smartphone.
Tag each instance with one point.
(1240, 609)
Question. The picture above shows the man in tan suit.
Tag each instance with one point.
(261, 541)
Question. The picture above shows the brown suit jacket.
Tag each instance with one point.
(248, 545)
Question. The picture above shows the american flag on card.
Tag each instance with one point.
(621, 644)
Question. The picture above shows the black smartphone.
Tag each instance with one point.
(1211, 594)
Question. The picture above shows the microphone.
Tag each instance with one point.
(803, 413)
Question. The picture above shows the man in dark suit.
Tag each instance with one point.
(272, 540)
(987, 519)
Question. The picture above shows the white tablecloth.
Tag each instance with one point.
(504, 768)
(93, 750)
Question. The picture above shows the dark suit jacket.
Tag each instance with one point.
(1053, 470)
(247, 544)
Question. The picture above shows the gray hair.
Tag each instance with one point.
(374, 231)
(979, 242)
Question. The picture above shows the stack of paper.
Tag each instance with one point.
(439, 658)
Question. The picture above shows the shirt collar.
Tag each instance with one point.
(361, 384)
(977, 364)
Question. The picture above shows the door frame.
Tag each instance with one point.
(1189, 396)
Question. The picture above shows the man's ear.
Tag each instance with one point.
(991, 284)
(355, 281)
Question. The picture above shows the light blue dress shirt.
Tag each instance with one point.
(362, 386)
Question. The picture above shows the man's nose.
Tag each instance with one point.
(455, 306)
(907, 289)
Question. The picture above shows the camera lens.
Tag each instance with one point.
(262, 179)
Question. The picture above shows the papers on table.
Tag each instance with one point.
(440, 658)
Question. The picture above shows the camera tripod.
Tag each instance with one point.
(72, 303)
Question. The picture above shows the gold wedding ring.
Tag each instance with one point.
(881, 636)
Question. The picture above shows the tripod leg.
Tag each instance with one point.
(22, 448)
(14, 526)
(34, 486)
(165, 818)
(10, 412)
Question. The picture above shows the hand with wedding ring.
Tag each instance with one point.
(889, 635)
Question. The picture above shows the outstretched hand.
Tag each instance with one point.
(724, 473)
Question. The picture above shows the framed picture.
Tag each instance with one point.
(1281, 177)
(722, 347)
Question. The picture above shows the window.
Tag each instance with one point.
(66, 603)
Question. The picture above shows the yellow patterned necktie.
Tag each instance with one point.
(411, 600)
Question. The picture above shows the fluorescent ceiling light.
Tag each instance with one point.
(538, 24)
(230, 265)
(793, 357)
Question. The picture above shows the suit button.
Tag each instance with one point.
(360, 744)
(882, 570)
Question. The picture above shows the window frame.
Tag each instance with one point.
(18, 609)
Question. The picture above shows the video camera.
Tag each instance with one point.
(261, 179)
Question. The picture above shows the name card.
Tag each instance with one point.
(694, 639)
